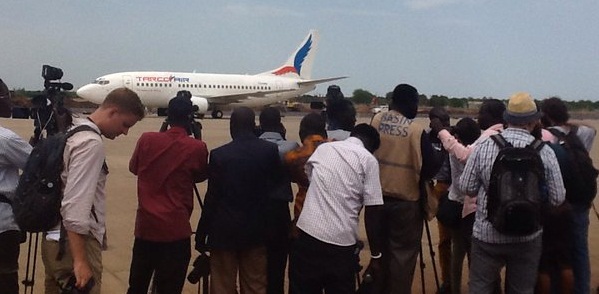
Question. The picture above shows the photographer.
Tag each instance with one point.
(167, 164)
(13, 156)
(84, 199)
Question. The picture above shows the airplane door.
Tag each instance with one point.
(127, 81)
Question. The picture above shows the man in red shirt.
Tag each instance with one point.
(167, 165)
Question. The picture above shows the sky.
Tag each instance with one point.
(457, 48)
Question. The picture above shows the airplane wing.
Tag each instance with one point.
(228, 99)
(318, 81)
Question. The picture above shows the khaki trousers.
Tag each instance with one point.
(249, 263)
(59, 271)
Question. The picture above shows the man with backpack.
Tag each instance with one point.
(81, 235)
(13, 156)
(580, 180)
(514, 176)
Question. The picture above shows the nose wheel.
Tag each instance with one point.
(217, 114)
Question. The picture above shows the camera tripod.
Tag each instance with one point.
(423, 203)
(50, 117)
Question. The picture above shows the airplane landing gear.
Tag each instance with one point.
(217, 114)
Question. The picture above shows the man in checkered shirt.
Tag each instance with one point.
(491, 250)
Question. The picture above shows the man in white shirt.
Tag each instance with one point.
(344, 177)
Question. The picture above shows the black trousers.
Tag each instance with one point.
(277, 245)
(167, 260)
(315, 266)
(9, 261)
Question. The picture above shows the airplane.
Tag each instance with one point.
(213, 91)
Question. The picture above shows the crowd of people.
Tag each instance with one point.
(394, 168)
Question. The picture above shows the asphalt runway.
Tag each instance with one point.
(122, 205)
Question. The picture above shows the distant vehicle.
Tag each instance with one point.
(213, 91)
(380, 108)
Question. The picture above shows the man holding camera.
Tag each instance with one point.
(14, 152)
(167, 165)
(83, 206)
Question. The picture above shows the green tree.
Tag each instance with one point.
(439, 100)
(361, 96)
(423, 100)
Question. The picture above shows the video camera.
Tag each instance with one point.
(48, 109)
(193, 127)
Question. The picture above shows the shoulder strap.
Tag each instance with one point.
(80, 128)
(537, 145)
(559, 134)
(500, 141)
(573, 129)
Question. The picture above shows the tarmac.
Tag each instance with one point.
(122, 205)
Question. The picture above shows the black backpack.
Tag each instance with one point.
(578, 172)
(517, 188)
(38, 197)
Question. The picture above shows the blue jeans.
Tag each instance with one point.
(580, 249)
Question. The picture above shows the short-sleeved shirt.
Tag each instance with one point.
(344, 177)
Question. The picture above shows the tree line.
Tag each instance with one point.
(361, 96)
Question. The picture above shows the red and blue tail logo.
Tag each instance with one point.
(300, 56)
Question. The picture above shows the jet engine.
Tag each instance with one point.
(201, 103)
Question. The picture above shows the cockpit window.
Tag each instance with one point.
(101, 82)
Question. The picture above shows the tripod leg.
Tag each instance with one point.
(422, 265)
(430, 246)
(29, 272)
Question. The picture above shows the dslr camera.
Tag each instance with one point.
(201, 269)
(70, 288)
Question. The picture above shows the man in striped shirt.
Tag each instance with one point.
(492, 250)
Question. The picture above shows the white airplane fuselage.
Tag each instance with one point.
(156, 88)
(212, 91)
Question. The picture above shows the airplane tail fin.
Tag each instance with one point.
(299, 64)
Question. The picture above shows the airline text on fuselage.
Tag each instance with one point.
(163, 79)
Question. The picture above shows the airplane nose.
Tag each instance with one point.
(84, 92)
(91, 93)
